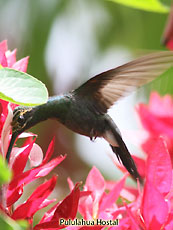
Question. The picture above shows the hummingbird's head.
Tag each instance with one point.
(22, 120)
(22, 117)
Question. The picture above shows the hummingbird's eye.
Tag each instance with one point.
(20, 119)
(21, 116)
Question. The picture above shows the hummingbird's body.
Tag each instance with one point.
(84, 110)
(68, 110)
(82, 117)
(73, 113)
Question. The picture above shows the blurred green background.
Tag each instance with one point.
(68, 42)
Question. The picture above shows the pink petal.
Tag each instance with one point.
(46, 202)
(20, 160)
(85, 193)
(4, 108)
(29, 176)
(112, 196)
(36, 155)
(33, 204)
(129, 194)
(17, 193)
(49, 214)
(21, 65)
(3, 46)
(134, 224)
(27, 135)
(169, 223)
(3, 60)
(3, 49)
(11, 57)
(161, 106)
(86, 206)
(124, 224)
(154, 207)
(154, 124)
(67, 209)
(95, 183)
(159, 167)
(6, 131)
(70, 183)
(49, 151)
(141, 164)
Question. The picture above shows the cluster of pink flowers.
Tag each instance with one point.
(147, 207)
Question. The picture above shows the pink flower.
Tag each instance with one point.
(8, 58)
(157, 116)
(99, 204)
(157, 119)
(94, 202)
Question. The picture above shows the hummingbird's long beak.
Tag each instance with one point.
(20, 122)
(12, 141)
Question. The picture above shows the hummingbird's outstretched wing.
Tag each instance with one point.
(106, 88)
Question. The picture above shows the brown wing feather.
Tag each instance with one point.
(106, 88)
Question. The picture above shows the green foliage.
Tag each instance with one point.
(7, 223)
(5, 173)
(147, 5)
(21, 88)
(163, 84)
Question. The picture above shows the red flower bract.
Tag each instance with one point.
(66, 209)
(33, 204)
(24, 178)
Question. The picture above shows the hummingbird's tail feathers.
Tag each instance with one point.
(113, 136)
(128, 162)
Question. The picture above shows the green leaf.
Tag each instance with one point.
(6, 223)
(147, 5)
(21, 88)
(163, 84)
(5, 173)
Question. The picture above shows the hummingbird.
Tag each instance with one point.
(84, 110)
